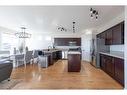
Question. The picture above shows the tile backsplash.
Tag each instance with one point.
(117, 48)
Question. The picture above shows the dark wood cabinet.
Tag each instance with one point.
(113, 66)
(122, 33)
(54, 56)
(113, 35)
(119, 70)
(102, 61)
(67, 41)
(108, 38)
(110, 65)
(60, 42)
(59, 55)
(118, 34)
(101, 35)
(107, 64)
(74, 62)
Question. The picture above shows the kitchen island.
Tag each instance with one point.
(74, 61)
(55, 54)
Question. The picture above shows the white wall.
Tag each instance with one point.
(40, 41)
(119, 48)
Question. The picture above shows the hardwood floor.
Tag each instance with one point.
(57, 77)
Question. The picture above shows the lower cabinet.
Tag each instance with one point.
(110, 65)
(119, 70)
(57, 55)
(102, 61)
(74, 63)
(113, 66)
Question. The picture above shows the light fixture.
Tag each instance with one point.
(22, 34)
(93, 13)
(62, 28)
(73, 27)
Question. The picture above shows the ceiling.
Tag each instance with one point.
(47, 18)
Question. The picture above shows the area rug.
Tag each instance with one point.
(9, 84)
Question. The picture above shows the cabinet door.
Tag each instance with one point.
(122, 29)
(109, 65)
(118, 35)
(74, 62)
(59, 55)
(119, 70)
(77, 40)
(60, 42)
(102, 62)
(65, 41)
(108, 40)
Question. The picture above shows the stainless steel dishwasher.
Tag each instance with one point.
(64, 54)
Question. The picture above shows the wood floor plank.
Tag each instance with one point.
(57, 77)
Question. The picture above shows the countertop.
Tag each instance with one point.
(50, 50)
(74, 52)
(114, 54)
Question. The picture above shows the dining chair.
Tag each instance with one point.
(23, 58)
(34, 56)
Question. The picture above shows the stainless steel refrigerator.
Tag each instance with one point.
(97, 45)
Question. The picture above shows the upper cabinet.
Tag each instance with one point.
(118, 34)
(67, 41)
(113, 35)
(109, 36)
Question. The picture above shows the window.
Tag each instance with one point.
(8, 41)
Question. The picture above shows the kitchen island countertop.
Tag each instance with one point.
(50, 50)
(74, 52)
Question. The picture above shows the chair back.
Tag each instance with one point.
(35, 53)
(28, 56)
(20, 56)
